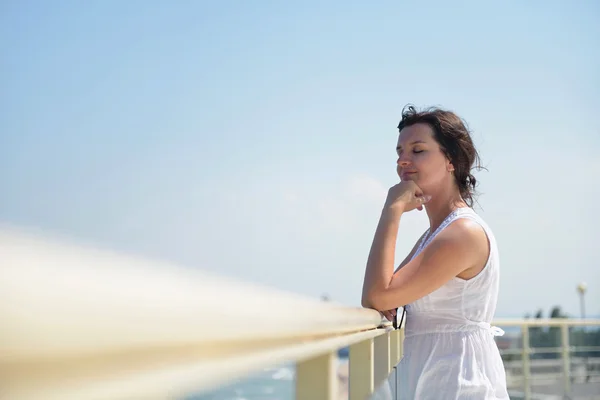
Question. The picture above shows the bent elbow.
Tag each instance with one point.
(379, 300)
(370, 300)
(377, 305)
(367, 298)
(364, 302)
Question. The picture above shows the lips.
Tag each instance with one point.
(407, 174)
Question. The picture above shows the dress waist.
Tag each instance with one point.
(420, 324)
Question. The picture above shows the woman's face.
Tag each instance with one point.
(420, 158)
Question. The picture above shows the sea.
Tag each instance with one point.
(269, 384)
(277, 383)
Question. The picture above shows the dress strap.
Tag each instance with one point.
(429, 236)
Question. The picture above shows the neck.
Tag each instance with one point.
(442, 204)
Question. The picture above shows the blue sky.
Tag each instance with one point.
(256, 139)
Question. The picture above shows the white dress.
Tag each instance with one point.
(449, 348)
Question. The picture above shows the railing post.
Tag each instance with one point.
(525, 359)
(395, 347)
(564, 330)
(361, 383)
(316, 378)
(382, 358)
(401, 343)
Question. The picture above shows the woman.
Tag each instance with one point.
(449, 281)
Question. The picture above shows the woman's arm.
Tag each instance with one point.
(453, 251)
(401, 198)
(380, 264)
(402, 264)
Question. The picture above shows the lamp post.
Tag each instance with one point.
(581, 288)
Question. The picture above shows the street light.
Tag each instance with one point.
(581, 288)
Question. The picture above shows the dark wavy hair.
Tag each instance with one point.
(454, 138)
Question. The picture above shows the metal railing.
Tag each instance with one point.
(552, 365)
(78, 323)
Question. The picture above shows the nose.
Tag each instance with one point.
(403, 160)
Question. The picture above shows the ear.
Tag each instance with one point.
(450, 167)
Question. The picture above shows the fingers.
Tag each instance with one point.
(389, 314)
(406, 195)
(422, 199)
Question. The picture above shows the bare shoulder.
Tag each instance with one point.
(465, 236)
(467, 230)
(470, 239)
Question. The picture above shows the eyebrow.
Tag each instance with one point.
(411, 144)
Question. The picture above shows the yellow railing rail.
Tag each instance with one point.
(526, 373)
(78, 323)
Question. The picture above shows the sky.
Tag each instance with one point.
(256, 140)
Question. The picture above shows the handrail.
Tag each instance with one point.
(83, 323)
(121, 301)
(76, 322)
(526, 366)
(544, 322)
